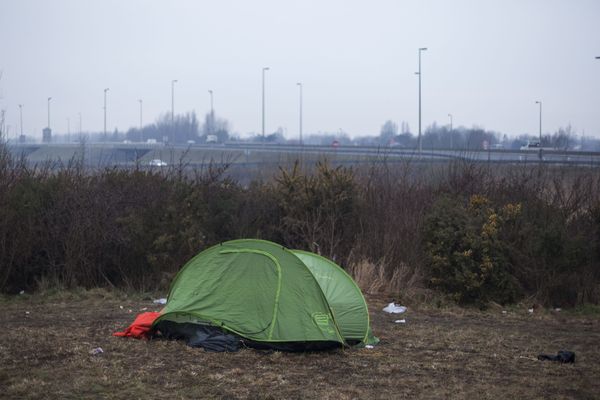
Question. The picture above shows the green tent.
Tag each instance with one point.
(269, 296)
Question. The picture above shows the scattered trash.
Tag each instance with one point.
(394, 309)
(160, 301)
(530, 311)
(504, 312)
(563, 356)
(96, 351)
(143, 309)
(26, 312)
(129, 310)
(369, 346)
(400, 321)
(558, 309)
(121, 307)
(22, 292)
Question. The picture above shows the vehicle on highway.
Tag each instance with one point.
(157, 162)
(211, 139)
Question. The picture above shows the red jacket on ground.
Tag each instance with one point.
(140, 328)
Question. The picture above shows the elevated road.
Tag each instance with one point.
(121, 154)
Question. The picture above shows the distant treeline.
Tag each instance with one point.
(473, 232)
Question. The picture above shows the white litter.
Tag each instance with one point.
(160, 301)
(22, 292)
(400, 321)
(26, 312)
(530, 311)
(96, 351)
(503, 311)
(394, 309)
(143, 309)
(369, 346)
(121, 307)
(557, 309)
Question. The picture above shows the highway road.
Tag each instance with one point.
(251, 153)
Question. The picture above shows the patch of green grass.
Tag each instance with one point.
(586, 310)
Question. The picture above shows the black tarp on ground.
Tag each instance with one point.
(210, 338)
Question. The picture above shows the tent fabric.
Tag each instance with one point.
(266, 294)
(343, 295)
(141, 327)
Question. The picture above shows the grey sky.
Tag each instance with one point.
(487, 63)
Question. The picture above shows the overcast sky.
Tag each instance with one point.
(487, 62)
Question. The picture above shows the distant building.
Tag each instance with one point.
(46, 135)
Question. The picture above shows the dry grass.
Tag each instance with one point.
(382, 278)
(46, 340)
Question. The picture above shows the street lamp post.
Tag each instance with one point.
(263, 101)
(540, 103)
(300, 115)
(173, 109)
(68, 130)
(451, 133)
(212, 114)
(21, 116)
(141, 125)
(421, 49)
(49, 98)
(80, 131)
(105, 90)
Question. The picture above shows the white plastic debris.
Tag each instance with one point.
(504, 312)
(143, 309)
(557, 309)
(26, 312)
(160, 301)
(369, 346)
(121, 307)
(400, 321)
(530, 311)
(394, 309)
(96, 351)
(22, 292)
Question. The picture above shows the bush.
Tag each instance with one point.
(317, 210)
(466, 256)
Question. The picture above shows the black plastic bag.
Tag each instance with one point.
(563, 356)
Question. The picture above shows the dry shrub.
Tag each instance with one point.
(379, 278)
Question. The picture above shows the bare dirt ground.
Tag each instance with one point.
(45, 345)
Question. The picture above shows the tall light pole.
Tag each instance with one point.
(263, 101)
(80, 131)
(173, 82)
(212, 113)
(141, 125)
(540, 103)
(68, 130)
(105, 90)
(300, 115)
(49, 98)
(421, 49)
(451, 133)
(21, 115)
